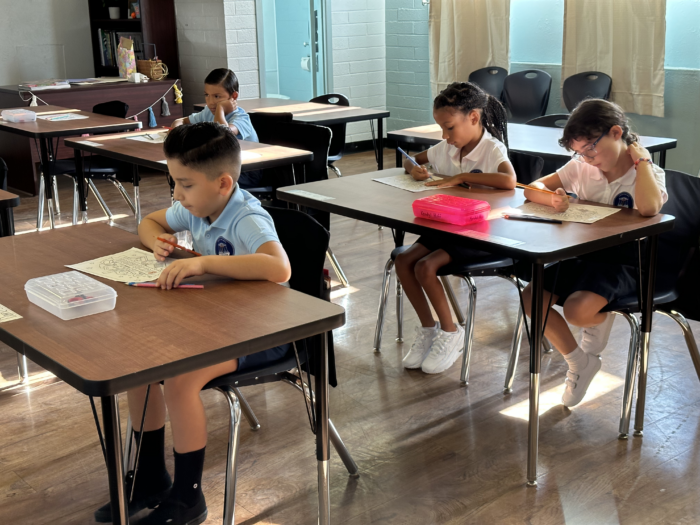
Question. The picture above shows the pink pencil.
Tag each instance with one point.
(154, 285)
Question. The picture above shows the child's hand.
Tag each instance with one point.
(173, 275)
(229, 106)
(161, 250)
(445, 182)
(420, 173)
(637, 151)
(560, 200)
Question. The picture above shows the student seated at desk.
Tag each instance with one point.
(237, 239)
(608, 166)
(220, 95)
(474, 129)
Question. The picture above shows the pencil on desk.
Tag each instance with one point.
(171, 243)
(533, 188)
(154, 285)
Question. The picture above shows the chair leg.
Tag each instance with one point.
(447, 285)
(468, 331)
(688, 334)
(57, 205)
(128, 441)
(124, 194)
(399, 310)
(514, 352)
(336, 268)
(22, 368)
(76, 202)
(630, 376)
(335, 170)
(547, 347)
(234, 436)
(382, 306)
(642, 386)
(100, 200)
(42, 200)
(247, 411)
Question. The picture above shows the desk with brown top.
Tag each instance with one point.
(44, 131)
(7, 202)
(112, 352)
(359, 197)
(534, 140)
(124, 147)
(320, 114)
(20, 154)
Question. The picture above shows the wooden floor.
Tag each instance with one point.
(429, 451)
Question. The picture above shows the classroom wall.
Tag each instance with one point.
(359, 57)
(44, 39)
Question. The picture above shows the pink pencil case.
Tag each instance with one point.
(451, 209)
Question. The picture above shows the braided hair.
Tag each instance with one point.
(465, 97)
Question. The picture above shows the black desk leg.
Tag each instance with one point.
(662, 159)
(7, 222)
(380, 143)
(137, 197)
(79, 188)
(115, 472)
(535, 362)
(322, 439)
(647, 314)
(45, 185)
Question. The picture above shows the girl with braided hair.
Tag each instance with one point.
(474, 151)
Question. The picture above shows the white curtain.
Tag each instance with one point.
(466, 35)
(624, 39)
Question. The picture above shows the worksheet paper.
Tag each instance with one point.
(133, 265)
(153, 138)
(408, 183)
(61, 116)
(584, 213)
(7, 315)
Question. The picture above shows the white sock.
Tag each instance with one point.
(434, 327)
(577, 360)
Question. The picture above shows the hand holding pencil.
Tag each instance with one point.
(560, 200)
(162, 248)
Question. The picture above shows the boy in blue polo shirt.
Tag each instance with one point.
(237, 239)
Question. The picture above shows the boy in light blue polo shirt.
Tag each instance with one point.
(237, 239)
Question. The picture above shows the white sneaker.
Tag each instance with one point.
(594, 339)
(425, 337)
(577, 382)
(445, 351)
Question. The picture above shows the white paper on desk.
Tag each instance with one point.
(309, 195)
(7, 315)
(247, 155)
(153, 138)
(408, 183)
(133, 265)
(89, 143)
(61, 117)
(584, 213)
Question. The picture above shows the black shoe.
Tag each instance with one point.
(175, 512)
(104, 513)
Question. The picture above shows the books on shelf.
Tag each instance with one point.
(109, 43)
(41, 85)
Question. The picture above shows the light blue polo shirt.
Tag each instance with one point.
(238, 118)
(242, 228)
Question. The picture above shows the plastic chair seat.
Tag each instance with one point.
(480, 264)
(665, 291)
(92, 166)
(255, 375)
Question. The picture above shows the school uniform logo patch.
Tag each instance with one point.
(476, 171)
(624, 200)
(224, 247)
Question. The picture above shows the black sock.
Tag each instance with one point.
(152, 476)
(187, 486)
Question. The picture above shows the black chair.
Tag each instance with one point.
(528, 168)
(338, 140)
(490, 79)
(556, 120)
(526, 94)
(591, 84)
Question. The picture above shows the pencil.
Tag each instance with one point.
(154, 285)
(532, 218)
(171, 243)
(411, 159)
(541, 190)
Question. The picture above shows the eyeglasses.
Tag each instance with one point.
(589, 152)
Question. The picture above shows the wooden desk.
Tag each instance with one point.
(122, 147)
(7, 202)
(359, 197)
(534, 140)
(321, 114)
(21, 155)
(105, 354)
(44, 131)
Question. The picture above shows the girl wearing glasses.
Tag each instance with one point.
(611, 167)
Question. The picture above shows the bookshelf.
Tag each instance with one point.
(156, 25)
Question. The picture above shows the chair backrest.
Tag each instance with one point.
(114, 108)
(490, 79)
(526, 94)
(528, 168)
(3, 175)
(556, 120)
(338, 140)
(591, 84)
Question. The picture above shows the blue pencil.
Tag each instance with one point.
(408, 157)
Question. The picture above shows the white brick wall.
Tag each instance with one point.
(359, 57)
(213, 34)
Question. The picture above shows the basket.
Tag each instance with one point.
(153, 69)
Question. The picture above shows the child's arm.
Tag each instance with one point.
(153, 226)
(180, 122)
(418, 173)
(504, 179)
(646, 190)
(560, 201)
(223, 108)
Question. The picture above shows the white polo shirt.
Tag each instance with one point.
(488, 154)
(589, 183)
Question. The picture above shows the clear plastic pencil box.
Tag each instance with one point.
(71, 295)
(451, 209)
(18, 115)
